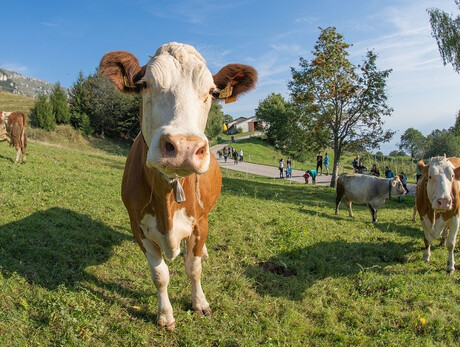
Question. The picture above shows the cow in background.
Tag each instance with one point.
(13, 130)
(366, 189)
(438, 203)
(171, 180)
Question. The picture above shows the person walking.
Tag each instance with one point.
(225, 152)
(235, 156)
(281, 167)
(326, 164)
(319, 162)
(241, 155)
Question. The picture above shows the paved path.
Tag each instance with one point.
(273, 171)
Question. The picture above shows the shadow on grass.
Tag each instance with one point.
(10, 159)
(295, 194)
(53, 247)
(304, 267)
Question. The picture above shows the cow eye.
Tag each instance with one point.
(145, 84)
(213, 92)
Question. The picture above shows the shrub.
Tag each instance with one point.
(42, 115)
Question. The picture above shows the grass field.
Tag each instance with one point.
(13, 102)
(283, 269)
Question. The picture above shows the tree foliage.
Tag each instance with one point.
(42, 115)
(215, 121)
(413, 141)
(440, 142)
(282, 125)
(58, 101)
(446, 31)
(342, 105)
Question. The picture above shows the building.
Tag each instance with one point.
(246, 124)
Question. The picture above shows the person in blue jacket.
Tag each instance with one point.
(326, 164)
(313, 175)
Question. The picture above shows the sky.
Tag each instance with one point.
(55, 40)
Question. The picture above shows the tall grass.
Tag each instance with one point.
(283, 269)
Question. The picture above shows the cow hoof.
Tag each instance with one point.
(203, 312)
(168, 326)
(450, 272)
(426, 258)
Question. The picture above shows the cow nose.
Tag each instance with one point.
(443, 203)
(184, 152)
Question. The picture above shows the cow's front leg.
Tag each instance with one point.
(18, 154)
(373, 212)
(193, 269)
(160, 276)
(450, 244)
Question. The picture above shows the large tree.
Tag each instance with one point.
(343, 105)
(282, 125)
(413, 141)
(215, 121)
(446, 31)
(441, 142)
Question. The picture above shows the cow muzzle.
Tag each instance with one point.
(182, 155)
(442, 204)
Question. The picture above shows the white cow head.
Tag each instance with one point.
(440, 174)
(397, 187)
(177, 91)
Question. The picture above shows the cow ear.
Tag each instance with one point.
(423, 168)
(123, 69)
(457, 173)
(234, 79)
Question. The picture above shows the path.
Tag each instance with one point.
(273, 171)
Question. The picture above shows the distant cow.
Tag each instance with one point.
(366, 189)
(438, 203)
(171, 180)
(13, 130)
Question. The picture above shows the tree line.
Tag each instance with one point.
(95, 107)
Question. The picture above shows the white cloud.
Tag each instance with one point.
(14, 67)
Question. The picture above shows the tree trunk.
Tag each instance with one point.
(335, 167)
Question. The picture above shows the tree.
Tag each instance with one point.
(342, 105)
(413, 141)
(440, 142)
(43, 116)
(282, 125)
(58, 101)
(446, 31)
(393, 153)
(215, 120)
(457, 125)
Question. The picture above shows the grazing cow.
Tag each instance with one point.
(366, 189)
(438, 203)
(171, 180)
(13, 130)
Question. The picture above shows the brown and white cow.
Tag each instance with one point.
(366, 189)
(171, 180)
(438, 203)
(13, 130)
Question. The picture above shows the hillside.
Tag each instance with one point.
(283, 269)
(16, 83)
(14, 102)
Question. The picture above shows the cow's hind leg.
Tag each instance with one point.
(160, 276)
(339, 195)
(18, 154)
(193, 269)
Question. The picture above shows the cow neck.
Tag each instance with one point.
(179, 194)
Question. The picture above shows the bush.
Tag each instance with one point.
(82, 122)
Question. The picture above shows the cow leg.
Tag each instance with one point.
(450, 244)
(350, 211)
(193, 269)
(23, 149)
(18, 153)
(442, 242)
(160, 276)
(414, 212)
(373, 213)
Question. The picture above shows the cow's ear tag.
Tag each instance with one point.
(226, 92)
(126, 82)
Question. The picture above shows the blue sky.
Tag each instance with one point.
(55, 40)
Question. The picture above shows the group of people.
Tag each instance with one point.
(389, 174)
(231, 153)
(319, 163)
(288, 169)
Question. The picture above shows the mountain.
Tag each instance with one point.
(16, 83)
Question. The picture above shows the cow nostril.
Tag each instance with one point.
(201, 150)
(169, 148)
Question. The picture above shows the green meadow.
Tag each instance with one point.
(283, 269)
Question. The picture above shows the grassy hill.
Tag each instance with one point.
(14, 102)
(283, 269)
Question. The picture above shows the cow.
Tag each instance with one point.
(13, 130)
(366, 189)
(171, 180)
(438, 203)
